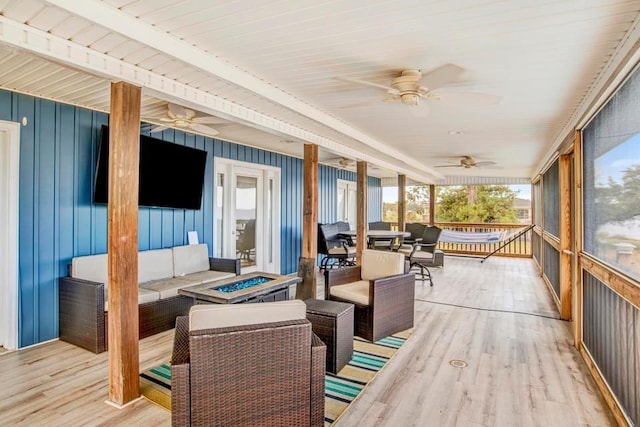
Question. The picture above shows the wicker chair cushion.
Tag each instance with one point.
(155, 265)
(356, 292)
(190, 259)
(168, 288)
(341, 251)
(144, 296)
(92, 267)
(378, 264)
(211, 316)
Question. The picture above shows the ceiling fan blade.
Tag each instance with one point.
(448, 166)
(190, 114)
(203, 129)
(466, 98)
(441, 76)
(389, 89)
(210, 120)
(487, 163)
(158, 129)
(177, 111)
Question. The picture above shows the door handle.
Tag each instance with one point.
(567, 252)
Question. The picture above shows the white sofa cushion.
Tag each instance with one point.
(168, 288)
(209, 316)
(190, 259)
(144, 295)
(154, 265)
(356, 292)
(91, 267)
(208, 276)
(377, 264)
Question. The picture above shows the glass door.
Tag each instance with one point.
(247, 210)
(346, 203)
(248, 218)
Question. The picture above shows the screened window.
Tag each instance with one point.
(612, 181)
(537, 197)
(551, 200)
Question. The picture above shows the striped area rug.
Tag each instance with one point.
(340, 390)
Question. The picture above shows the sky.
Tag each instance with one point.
(390, 194)
(614, 162)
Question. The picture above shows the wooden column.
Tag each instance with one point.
(402, 202)
(361, 209)
(577, 240)
(124, 153)
(565, 236)
(432, 204)
(306, 266)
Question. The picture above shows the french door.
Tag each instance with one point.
(346, 203)
(247, 214)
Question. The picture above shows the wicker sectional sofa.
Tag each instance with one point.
(83, 303)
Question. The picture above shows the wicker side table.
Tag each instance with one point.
(332, 322)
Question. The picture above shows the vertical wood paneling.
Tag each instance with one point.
(611, 334)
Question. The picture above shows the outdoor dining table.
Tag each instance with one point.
(375, 235)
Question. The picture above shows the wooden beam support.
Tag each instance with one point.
(124, 153)
(402, 202)
(432, 204)
(307, 265)
(577, 240)
(566, 253)
(361, 209)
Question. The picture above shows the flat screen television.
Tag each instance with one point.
(171, 175)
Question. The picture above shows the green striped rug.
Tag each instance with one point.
(340, 390)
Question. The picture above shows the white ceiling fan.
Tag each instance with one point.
(412, 84)
(468, 162)
(341, 162)
(184, 118)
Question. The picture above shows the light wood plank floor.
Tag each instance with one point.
(522, 369)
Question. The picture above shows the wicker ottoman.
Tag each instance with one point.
(332, 322)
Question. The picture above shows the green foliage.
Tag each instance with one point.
(623, 200)
(482, 203)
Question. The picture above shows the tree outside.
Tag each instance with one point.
(476, 203)
(470, 204)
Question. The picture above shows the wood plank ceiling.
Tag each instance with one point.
(542, 58)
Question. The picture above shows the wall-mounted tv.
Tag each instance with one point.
(171, 175)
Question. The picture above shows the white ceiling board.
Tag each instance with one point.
(541, 57)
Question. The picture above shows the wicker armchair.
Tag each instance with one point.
(239, 374)
(381, 291)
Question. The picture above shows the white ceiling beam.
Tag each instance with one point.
(16, 35)
(129, 26)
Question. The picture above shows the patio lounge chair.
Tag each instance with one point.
(247, 364)
(379, 289)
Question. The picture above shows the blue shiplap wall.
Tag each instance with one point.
(58, 221)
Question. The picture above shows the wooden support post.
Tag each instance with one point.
(307, 264)
(361, 209)
(432, 204)
(402, 202)
(124, 153)
(565, 236)
(577, 241)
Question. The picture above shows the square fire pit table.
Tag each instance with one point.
(245, 288)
